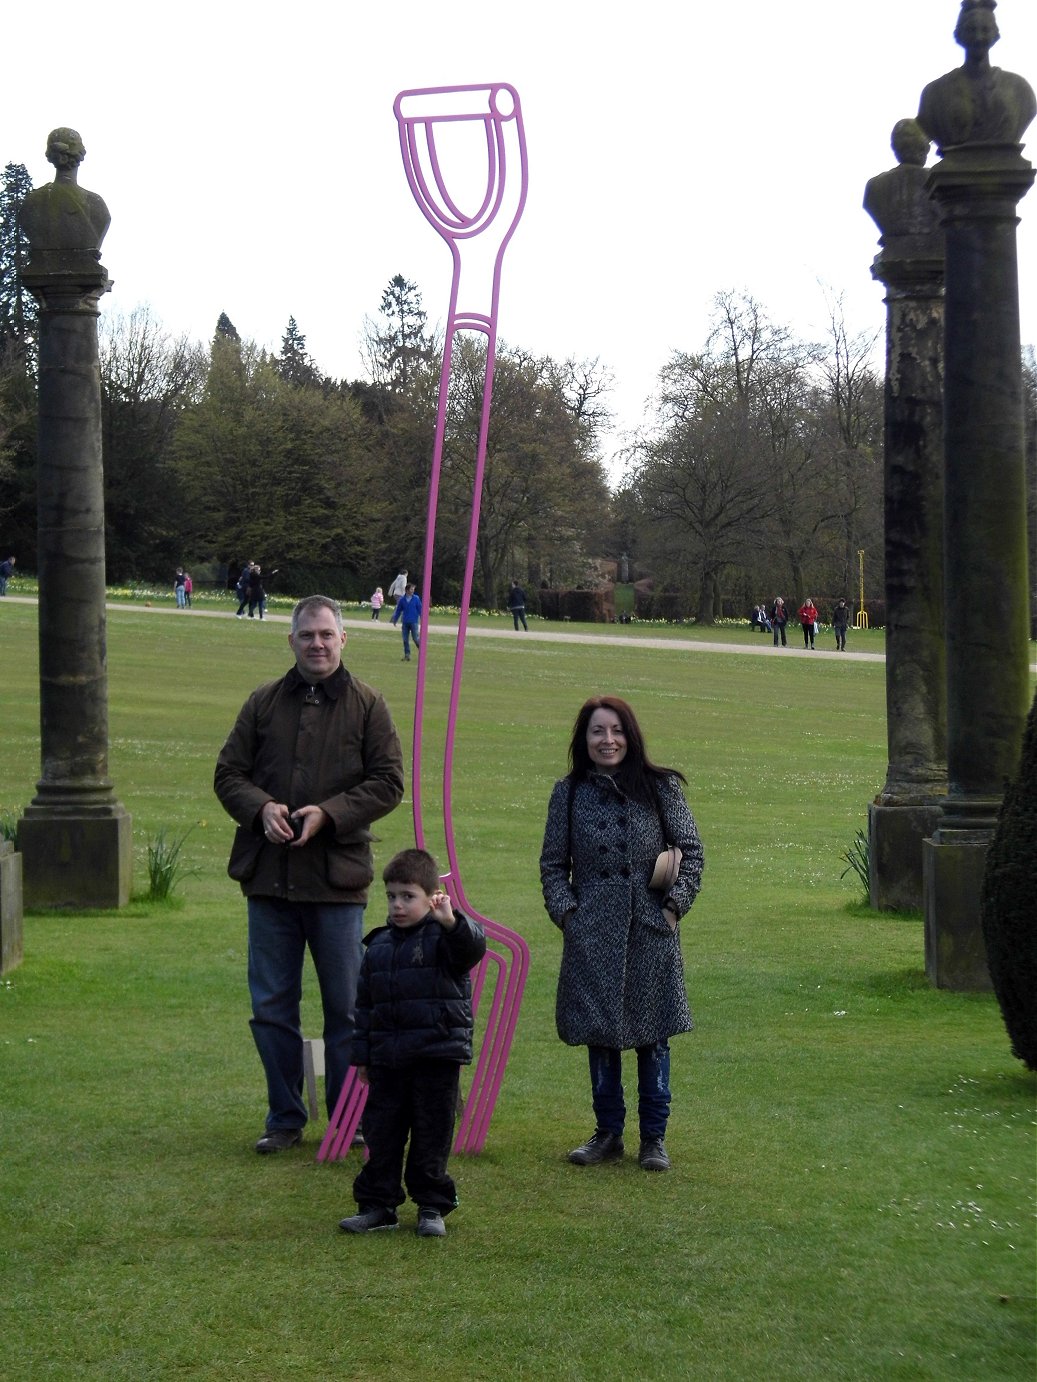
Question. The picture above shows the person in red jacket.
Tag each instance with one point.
(808, 618)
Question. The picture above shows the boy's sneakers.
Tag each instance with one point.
(370, 1219)
(278, 1140)
(430, 1224)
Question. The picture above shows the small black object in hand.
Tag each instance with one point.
(296, 823)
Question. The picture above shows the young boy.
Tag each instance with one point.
(413, 1034)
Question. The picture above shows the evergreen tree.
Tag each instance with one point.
(266, 467)
(294, 364)
(226, 329)
(18, 315)
(402, 343)
(17, 307)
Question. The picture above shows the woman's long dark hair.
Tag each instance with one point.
(636, 775)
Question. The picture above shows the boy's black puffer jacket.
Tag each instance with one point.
(414, 996)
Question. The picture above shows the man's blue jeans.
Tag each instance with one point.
(653, 1088)
(278, 934)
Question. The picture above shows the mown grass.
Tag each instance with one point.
(853, 1186)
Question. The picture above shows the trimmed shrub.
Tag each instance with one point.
(1009, 905)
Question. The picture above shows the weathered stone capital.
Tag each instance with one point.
(76, 291)
(984, 180)
(907, 273)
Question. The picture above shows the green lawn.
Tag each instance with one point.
(853, 1190)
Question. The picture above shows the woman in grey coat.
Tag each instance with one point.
(621, 984)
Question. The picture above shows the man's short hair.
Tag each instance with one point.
(415, 866)
(316, 602)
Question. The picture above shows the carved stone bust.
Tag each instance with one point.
(62, 220)
(897, 200)
(977, 103)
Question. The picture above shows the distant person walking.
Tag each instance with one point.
(779, 618)
(377, 601)
(399, 586)
(255, 593)
(6, 572)
(188, 588)
(408, 613)
(840, 623)
(807, 614)
(178, 588)
(517, 605)
(241, 589)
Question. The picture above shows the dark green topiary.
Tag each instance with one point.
(1010, 903)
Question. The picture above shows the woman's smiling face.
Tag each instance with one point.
(606, 740)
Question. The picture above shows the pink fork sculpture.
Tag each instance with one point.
(494, 115)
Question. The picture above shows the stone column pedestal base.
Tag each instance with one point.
(895, 835)
(955, 954)
(10, 907)
(78, 862)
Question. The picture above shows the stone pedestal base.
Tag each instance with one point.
(10, 907)
(77, 861)
(895, 835)
(955, 955)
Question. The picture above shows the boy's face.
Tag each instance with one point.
(408, 903)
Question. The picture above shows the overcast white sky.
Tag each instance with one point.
(249, 157)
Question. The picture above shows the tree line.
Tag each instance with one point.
(757, 470)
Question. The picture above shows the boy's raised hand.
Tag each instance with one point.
(442, 909)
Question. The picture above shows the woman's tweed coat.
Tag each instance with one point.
(621, 982)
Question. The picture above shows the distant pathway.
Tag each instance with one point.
(764, 648)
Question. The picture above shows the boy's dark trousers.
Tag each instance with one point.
(419, 1099)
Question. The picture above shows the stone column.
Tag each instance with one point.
(10, 907)
(75, 836)
(977, 115)
(910, 264)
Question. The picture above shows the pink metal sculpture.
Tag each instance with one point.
(428, 120)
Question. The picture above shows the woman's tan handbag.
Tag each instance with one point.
(664, 875)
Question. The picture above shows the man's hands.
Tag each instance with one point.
(277, 823)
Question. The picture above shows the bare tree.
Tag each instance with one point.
(721, 473)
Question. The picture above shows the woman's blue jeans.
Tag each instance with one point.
(278, 934)
(653, 1088)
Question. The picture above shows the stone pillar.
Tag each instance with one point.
(10, 907)
(75, 836)
(977, 115)
(910, 264)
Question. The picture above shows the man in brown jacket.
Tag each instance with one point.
(313, 759)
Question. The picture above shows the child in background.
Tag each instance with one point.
(188, 587)
(413, 1033)
(377, 601)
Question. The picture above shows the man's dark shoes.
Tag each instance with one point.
(602, 1146)
(430, 1224)
(279, 1140)
(368, 1220)
(652, 1156)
